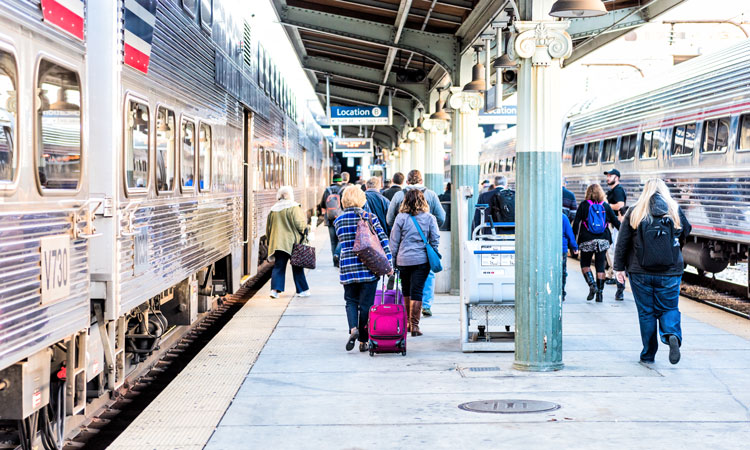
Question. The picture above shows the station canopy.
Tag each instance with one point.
(370, 48)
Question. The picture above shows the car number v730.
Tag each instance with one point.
(55, 267)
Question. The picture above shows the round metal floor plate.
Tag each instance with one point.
(509, 406)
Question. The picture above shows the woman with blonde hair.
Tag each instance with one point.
(359, 282)
(649, 250)
(411, 253)
(285, 227)
(594, 237)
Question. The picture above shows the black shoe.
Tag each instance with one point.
(363, 347)
(426, 312)
(611, 281)
(647, 361)
(589, 277)
(599, 290)
(352, 339)
(619, 296)
(674, 349)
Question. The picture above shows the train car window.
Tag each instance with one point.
(743, 143)
(204, 157)
(578, 154)
(187, 154)
(8, 117)
(58, 127)
(165, 143)
(592, 154)
(507, 165)
(513, 164)
(683, 140)
(261, 67)
(649, 145)
(137, 141)
(608, 150)
(715, 136)
(627, 147)
(190, 7)
(207, 17)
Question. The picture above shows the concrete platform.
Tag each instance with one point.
(305, 391)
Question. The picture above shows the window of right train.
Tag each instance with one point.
(715, 135)
(683, 140)
(743, 141)
(649, 145)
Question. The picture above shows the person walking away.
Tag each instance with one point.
(285, 227)
(593, 237)
(617, 198)
(485, 198)
(568, 242)
(410, 253)
(445, 202)
(398, 184)
(345, 176)
(569, 203)
(484, 186)
(376, 203)
(649, 250)
(414, 180)
(359, 283)
(330, 205)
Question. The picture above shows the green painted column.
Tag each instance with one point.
(467, 141)
(434, 141)
(540, 46)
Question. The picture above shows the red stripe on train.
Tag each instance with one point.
(136, 59)
(63, 18)
(722, 230)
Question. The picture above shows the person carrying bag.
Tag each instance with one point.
(414, 251)
(285, 222)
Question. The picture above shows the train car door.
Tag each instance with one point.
(247, 191)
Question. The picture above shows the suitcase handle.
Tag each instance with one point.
(385, 286)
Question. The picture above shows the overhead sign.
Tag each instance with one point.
(505, 114)
(353, 145)
(360, 115)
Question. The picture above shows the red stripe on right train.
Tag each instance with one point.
(722, 230)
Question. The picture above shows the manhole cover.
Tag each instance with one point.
(509, 406)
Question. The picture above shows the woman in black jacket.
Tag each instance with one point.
(593, 244)
(649, 250)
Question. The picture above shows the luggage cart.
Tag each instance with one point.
(487, 284)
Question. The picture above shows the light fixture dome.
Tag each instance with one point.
(573, 9)
(439, 113)
(504, 62)
(477, 79)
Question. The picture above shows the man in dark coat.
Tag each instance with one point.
(398, 184)
(484, 199)
(377, 203)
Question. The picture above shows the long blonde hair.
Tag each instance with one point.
(642, 209)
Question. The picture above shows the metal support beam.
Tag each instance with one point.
(366, 75)
(480, 18)
(441, 48)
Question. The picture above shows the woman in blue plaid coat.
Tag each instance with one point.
(359, 283)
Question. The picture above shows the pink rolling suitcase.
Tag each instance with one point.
(387, 323)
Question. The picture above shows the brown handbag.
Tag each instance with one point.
(303, 255)
(368, 249)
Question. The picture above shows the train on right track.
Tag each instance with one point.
(690, 127)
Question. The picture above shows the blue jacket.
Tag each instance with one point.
(569, 238)
(378, 205)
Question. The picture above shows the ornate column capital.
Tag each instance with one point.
(434, 125)
(542, 41)
(466, 101)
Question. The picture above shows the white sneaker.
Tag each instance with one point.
(274, 294)
(304, 293)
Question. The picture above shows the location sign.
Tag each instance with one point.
(360, 115)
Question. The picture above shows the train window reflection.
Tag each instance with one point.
(58, 127)
(165, 143)
(187, 155)
(608, 151)
(592, 154)
(204, 157)
(578, 155)
(683, 140)
(649, 145)
(8, 116)
(715, 136)
(743, 143)
(137, 134)
(627, 147)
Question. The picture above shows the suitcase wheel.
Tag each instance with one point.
(372, 353)
(403, 352)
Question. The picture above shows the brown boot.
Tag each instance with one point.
(416, 313)
(407, 303)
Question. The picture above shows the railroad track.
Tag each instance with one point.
(137, 393)
(721, 294)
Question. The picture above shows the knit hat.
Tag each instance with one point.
(337, 178)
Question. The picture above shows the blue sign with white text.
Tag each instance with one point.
(360, 115)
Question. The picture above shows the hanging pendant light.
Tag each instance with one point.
(419, 128)
(578, 8)
(439, 113)
(62, 104)
(504, 62)
(477, 83)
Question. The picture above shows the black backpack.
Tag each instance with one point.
(660, 245)
(503, 206)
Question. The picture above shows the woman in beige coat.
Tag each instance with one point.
(286, 225)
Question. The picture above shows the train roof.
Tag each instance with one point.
(718, 77)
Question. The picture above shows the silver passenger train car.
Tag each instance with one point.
(692, 129)
(141, 146)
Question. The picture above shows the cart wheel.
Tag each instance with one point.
(403, 353)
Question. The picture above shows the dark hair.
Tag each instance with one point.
(398, 178)
(448, 186)
(414, 202)
(414, 177)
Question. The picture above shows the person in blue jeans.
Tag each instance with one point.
(649, 250)
(568, 242)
